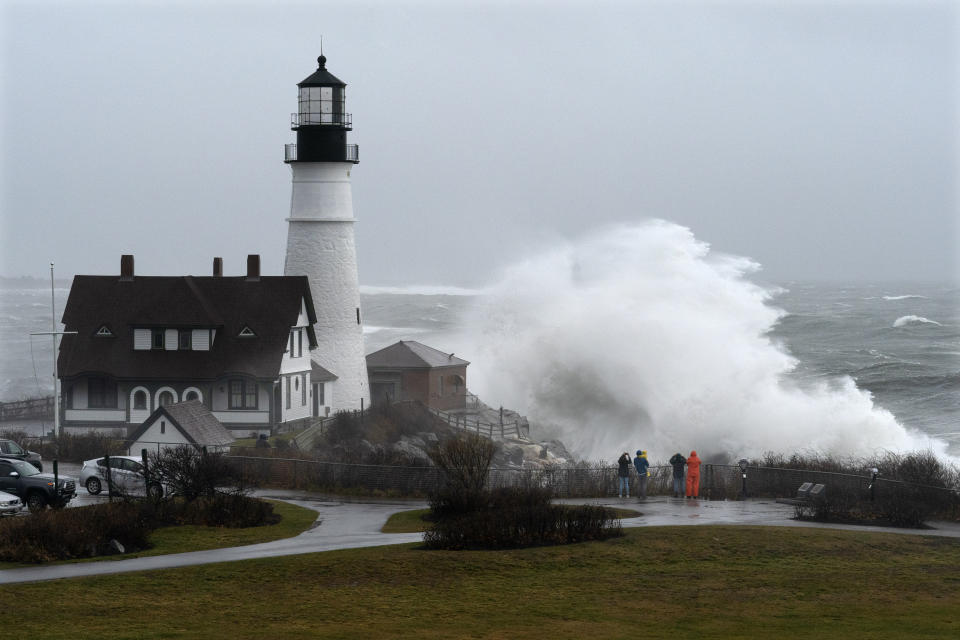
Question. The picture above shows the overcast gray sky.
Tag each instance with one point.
(819, 139)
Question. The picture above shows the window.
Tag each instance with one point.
(303, 391)
(165, 398)
(247, 332)
(158, 342)
(163, 427)
(101, 393)
(243, 394)
(288, 392)
(299, 342)
(104, 332)
(186, 339)
(320, 394)
(321, 105)
(191, 395)
(140, 400)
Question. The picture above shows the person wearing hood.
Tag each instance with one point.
(679, 464)
(623, 490)
(642, 465)
(693, 475)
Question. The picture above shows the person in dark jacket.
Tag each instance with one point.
(679, 464)
(623, 490)
(642, 465)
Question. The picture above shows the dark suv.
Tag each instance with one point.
(36, 489)
(10, 449)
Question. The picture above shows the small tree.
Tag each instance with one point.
(465, 464)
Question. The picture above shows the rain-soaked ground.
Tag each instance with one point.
(345, 524)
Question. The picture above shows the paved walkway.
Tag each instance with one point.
(345, 525)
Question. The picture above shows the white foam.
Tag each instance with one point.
(910, 296)
(369, 328)
(421, 290)
(641, 337)
(905, 320)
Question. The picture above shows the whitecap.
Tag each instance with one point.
(902, 321)
(909, 296)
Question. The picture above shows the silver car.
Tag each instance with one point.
(10, 504)
(126, 474)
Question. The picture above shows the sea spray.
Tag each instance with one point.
(641, 336)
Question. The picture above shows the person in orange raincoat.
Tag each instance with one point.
(693, 475)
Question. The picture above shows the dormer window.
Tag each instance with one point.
(295, 344)
(247, 332)
(104, 332)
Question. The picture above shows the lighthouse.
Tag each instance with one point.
(320, 240)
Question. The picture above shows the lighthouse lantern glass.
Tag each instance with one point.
(321, 105)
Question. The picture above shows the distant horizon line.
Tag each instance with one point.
(458, 290)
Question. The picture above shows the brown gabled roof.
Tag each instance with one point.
(193, 420)
(409, 354)
(268, 305)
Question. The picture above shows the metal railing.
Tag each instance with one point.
(333, 119)
(351, 153)
(26, 409)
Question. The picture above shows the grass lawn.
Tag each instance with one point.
(180, 539)
(413, 521)
(657, 582)
(294, 520)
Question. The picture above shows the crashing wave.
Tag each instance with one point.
(641, 336)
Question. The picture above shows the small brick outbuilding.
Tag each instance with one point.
(410, 370)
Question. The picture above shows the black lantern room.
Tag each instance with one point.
(322, 121)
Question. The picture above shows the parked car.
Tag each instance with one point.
(10, 505)
(10, 449)
(126, 473)
(36, 489)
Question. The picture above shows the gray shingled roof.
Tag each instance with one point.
(319, 374)
(268, 305)
(193, 420)
(409, 354)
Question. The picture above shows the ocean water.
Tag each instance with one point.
(643, 337)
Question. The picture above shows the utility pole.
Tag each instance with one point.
(54, 333)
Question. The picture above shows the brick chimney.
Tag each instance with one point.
(253, 266)
(126, 267)
(218, 267)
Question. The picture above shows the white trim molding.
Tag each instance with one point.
(156, 396)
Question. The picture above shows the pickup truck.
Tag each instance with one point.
(36, 489)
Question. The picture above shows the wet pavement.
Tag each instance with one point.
(670, 512)
(343, 524)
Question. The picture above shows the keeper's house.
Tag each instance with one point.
(239, 345)
(410, 370)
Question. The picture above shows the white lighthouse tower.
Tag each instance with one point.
(320, 242)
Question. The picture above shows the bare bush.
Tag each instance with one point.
(192, 473)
